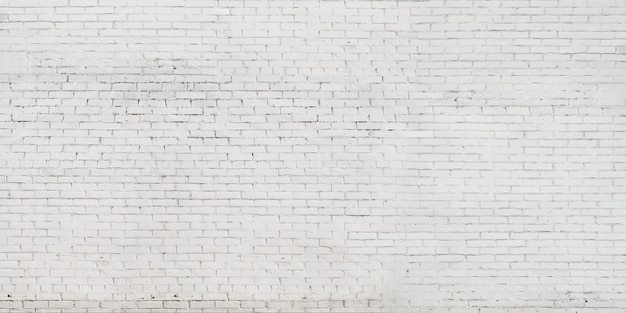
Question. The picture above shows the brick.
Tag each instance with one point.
(312, 155)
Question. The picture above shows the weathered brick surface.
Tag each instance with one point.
(349, 156)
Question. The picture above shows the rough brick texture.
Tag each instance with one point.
(345, 156)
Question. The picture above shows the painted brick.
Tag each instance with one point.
(315, 155)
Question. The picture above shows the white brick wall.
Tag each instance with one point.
(344, 156)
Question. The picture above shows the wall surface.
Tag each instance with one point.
(344, 156)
